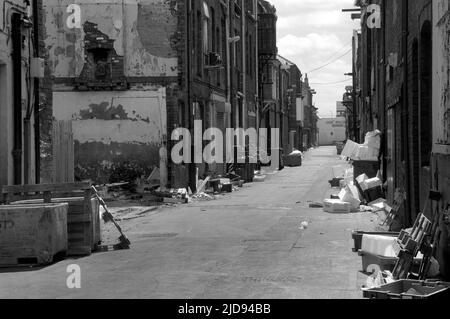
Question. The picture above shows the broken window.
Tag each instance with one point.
(103, 67)
(102, 63)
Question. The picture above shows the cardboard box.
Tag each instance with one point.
(336, 206)
(350, 150)
(350, 195)
(361, 180)
(373, 182)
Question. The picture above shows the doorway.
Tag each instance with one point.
(425, 110)
(3, 126)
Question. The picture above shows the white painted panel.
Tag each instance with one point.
(146, 120)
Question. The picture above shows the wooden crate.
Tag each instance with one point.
(83, 224)
(32, 235)
(84, 230)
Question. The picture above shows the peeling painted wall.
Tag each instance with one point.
(441, 119)
(114, 132)
(441, 77)
(142, 29)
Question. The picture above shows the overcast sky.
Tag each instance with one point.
(312, 33)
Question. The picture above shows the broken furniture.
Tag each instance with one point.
(409, 244)
(411, 241)
(83, 218)
(423, 238)
(32, 235)
(410, 289)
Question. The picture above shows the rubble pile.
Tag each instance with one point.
(357, 193)
(401, 261)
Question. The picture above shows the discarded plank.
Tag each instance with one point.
(201, 189)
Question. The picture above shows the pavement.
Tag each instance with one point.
(248, 244)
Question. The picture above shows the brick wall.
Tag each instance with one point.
(419, 12)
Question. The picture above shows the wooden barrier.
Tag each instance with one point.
(83, 220)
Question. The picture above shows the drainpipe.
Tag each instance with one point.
(256, 75)
(244, 84)
(384, 129)
(16, 32)
(405, 33)
(228, 72)
(188, 52)
(244, 67)
(37, 135)
(227, 44)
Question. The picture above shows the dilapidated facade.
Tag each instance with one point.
(440, 161)
(114, 74)
(19, 98)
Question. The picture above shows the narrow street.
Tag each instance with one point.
(245, 245)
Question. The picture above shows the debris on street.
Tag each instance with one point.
(304, 225)
(294, 159)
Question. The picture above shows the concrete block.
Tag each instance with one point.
(32, 234)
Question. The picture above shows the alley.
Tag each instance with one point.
(246, 245)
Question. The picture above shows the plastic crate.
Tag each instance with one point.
(410, 289)
(371, 263)
(370, 168)
(373, 194)
(358, 236)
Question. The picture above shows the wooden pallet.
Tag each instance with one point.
(84, 231)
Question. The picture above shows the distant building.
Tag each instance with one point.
(341, 110)
(309, 125)
(331, 130)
